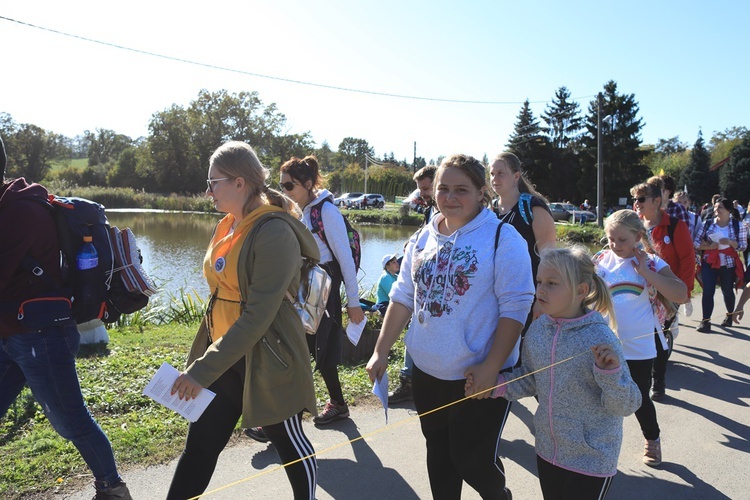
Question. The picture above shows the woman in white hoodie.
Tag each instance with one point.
(466, 286)
(301, 181)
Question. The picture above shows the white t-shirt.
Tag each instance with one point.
(718, 233)
(635, 316)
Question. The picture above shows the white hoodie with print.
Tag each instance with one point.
(457, 288)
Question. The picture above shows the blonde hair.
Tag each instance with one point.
(627, 219)
(237, 159)
(514, 165)
(576, 266)
(474, 170)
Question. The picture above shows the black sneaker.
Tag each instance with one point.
(403, 393)
(257, 433)
(116, 492)
(658, 391)
(705, 326)
(727, 321)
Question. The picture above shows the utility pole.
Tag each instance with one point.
(365, 174)
(599, 165)
(414, 163)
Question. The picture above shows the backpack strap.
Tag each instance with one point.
(497, 237)
(672, 225)
(524, 206)
(316, 221)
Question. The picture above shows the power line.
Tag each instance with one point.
(271, 77)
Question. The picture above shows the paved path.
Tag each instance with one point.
(705, 425)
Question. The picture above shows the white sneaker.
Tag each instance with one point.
(689, 309)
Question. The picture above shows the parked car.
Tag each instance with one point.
(368, 200)
(571, 213)
(345, 198)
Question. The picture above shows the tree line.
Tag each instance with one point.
(558, 150)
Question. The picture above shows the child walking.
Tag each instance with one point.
(634, 278)
(582, 400)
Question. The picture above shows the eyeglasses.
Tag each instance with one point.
(211, 183)
(288, 186)
(641, 199)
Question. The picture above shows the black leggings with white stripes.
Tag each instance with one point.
(562, 484)
(209, 435)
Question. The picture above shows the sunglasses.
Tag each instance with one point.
(288, 186)
(211, 183)
(641, 199)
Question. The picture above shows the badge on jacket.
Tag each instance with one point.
(220, 263)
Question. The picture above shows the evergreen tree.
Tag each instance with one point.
(701, 183)
(325, 157)
(734, 177)
(563, 128)
(530, 144)
(563, 120)
(622, 155)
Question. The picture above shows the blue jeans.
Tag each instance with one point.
(45, 360)
(408, 365)
(725, 276)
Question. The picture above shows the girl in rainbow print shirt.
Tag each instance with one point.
(631, 275)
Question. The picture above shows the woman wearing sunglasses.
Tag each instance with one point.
(670, 239)
(302, 182)
(250, 349)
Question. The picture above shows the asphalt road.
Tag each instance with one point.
(704, 419)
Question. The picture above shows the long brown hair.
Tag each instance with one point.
(304, 169)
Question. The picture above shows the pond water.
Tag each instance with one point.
(173, 246)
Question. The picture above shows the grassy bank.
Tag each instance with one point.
(130, 198)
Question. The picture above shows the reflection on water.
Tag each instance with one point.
(174, 244)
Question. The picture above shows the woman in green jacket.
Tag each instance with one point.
(251, 348)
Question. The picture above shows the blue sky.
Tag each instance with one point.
(686, 63)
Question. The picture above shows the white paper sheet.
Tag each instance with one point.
(380, 389)
(354, 331)
(159, 389)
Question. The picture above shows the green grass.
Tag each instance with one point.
(35, 460)
(79, 163)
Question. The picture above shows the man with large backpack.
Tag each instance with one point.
(38, 332)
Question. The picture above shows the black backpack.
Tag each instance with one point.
(107, 296)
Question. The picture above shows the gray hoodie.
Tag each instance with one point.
(579, 419)
(459, 287)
